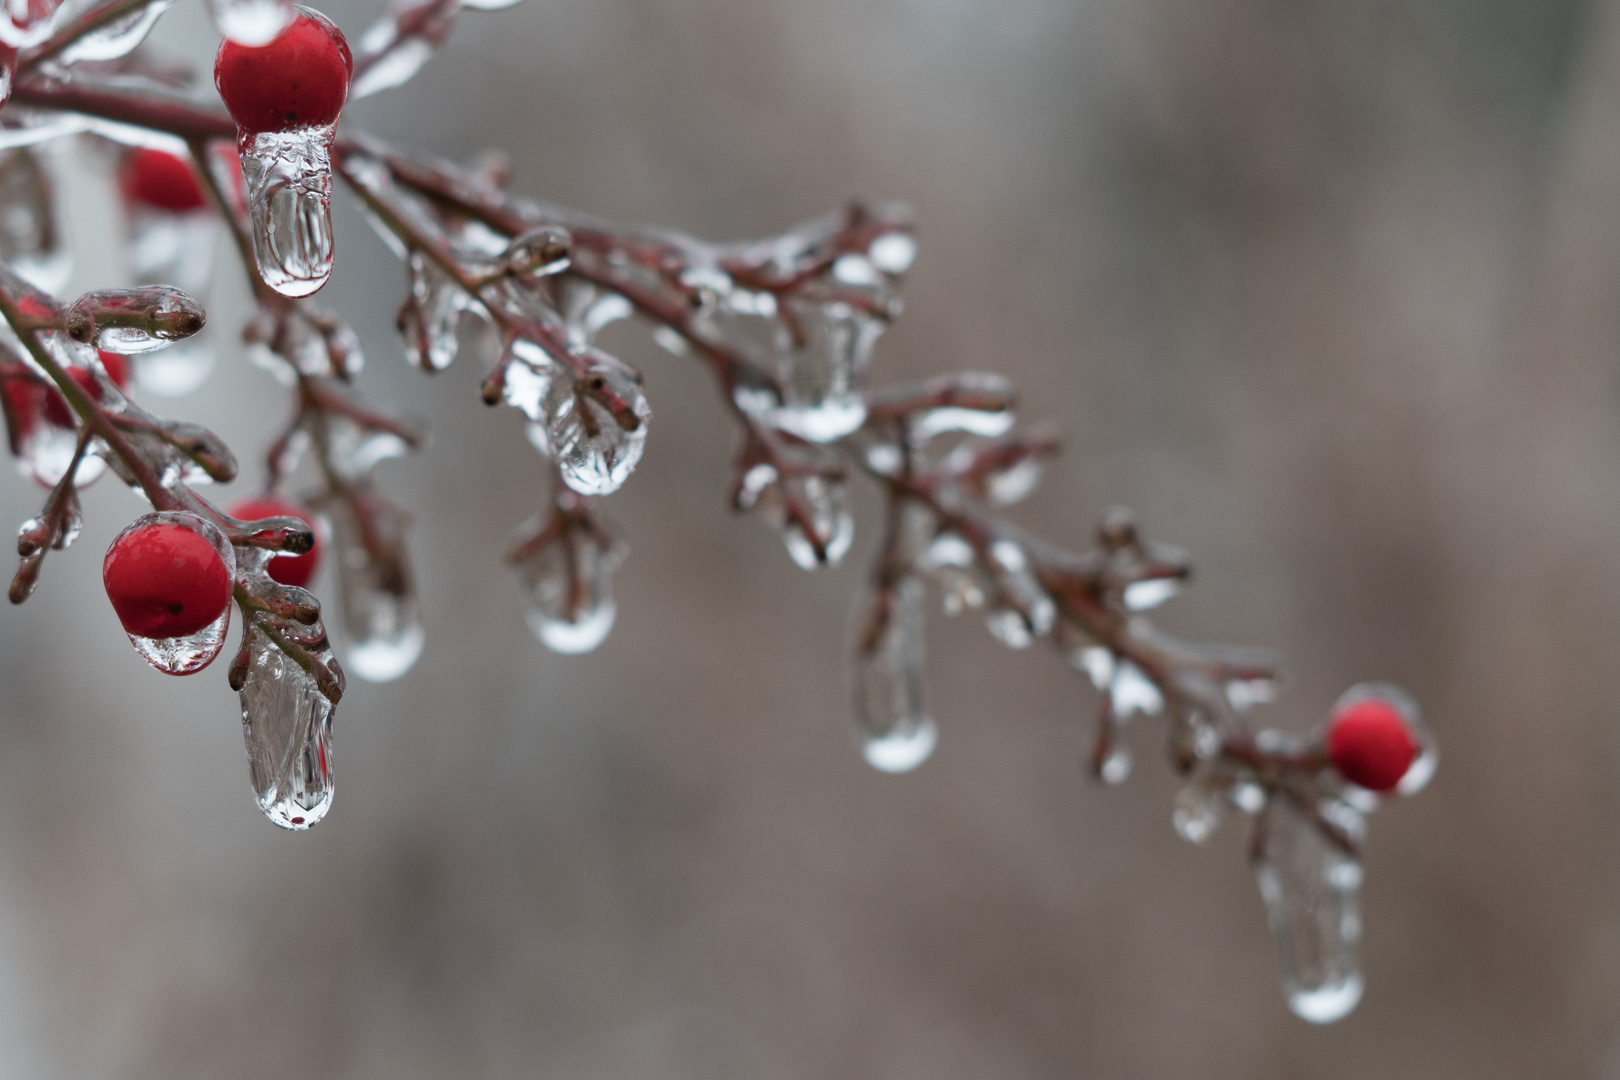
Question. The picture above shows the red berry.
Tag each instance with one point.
(56, 409)
(295, 570)
(1371, 744)
(298, 80)
(165, 581)
(163, 180)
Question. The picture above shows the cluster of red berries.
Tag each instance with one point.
(1372, 744)
(32, 402)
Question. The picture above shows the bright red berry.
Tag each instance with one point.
(163, 180)
(295, 570)
(298, 80)
(55, 407)
(1371, 744)
(165, 581)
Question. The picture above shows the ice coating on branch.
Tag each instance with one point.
(895, 731)
(118, 37)
(251, 22)
(394, 48)
(289, 194)
(31, 238)
(287, 729)
(1311, 888)
(195, 651)
(593, 425)
(566, 574)
(430, 318)
(177, 248)
(809, 509)
(133, 321)
(381, 612)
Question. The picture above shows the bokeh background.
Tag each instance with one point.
(1329, 291)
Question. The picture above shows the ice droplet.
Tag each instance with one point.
(893, 253)
(251, 22)
(1024, 612)
(1116, 766)
(192, 653)
(381, 612)
(1197, 814)
(1311, 891)
(895, 731)
(287, 727)
(822, 500)
(1142, 595)
(430, 320)
(568, 590)
(116, 38)
(586, 422)
(289, 188)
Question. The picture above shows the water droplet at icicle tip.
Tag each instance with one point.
(892, 725)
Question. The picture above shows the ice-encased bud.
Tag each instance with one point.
(381, 612)
(287, 729)
(118, 37)
(896, 733)
(192, 652)
(134, 321)
(567, 588)
(1311, 889)
(251, 22)
(593, 426)
(799, 506)
(289, 191)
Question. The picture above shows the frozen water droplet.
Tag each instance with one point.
(1197, 813)
(381, 612)
(1116, 766)
(431, 319)
(1311, 891)
(1142, 595)
(822, 507)
(1247, 796)
(568, 589)
(289, 187)
(251, 22)
(1132, 692)
(193, 652)
(893, 253)
(287, 726)
(595, 427)
(118, 37)
(895, 731)
(1025, 612)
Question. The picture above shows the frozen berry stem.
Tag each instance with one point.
(943, 454)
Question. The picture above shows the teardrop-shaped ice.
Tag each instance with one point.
(824, 350)
(251, 22)
(1311, 890)
(289, 188)
(895, 731)
(193, 652)
(594, 426)
(801, 505)
(118, 37)
(568, 590)
(1198, 813)
(287, 726)
(381, 612)
(430, 320)
(1023, 611)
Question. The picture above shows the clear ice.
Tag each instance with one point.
(381, 612)
(593, 426)
(567, 587)
(894, 728)
(289, 189)
(287, 728)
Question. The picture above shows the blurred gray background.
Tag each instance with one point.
(1329, 291)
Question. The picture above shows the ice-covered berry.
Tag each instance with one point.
(165, 580)
(299, 80)
(1371, 744)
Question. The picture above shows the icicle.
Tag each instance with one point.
(594, 427)
(287, 728)
(251, 22)
(567, 589)
(894, 728)
(381, 611)
(1310, 887)
(117, 38)
(289, 184)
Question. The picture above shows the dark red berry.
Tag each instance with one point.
(300, 79)
(163, 180)
(56, 409)
(1371, 744)
(295, 570)
(165, 581)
